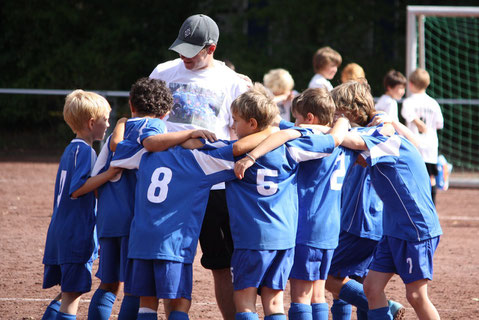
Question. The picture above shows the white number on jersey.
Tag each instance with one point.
(266, 188)
(161, 184)
(340, 172)
(63, 177)
(409, 261)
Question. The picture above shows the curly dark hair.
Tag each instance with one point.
(151, 97)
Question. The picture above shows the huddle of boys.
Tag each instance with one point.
(287, 211)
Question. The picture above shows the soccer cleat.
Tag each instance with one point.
(397, 310)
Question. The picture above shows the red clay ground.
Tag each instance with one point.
(25, 206)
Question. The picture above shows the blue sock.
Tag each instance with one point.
(147, 316)
(300, 311)
(341, 310)
(352, 292)
(65, 316)
(129, 307)
(276, 316)
(246, 316)
(320, 311)
(52, 310)
(101, 304)
(361, 315)
(380, 314)
(178, 315)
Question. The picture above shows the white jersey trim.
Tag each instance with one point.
(210, 164)
(130, 163)
(300, 155)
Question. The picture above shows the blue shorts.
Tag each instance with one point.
(113, 259)
(159, 278)
(261, 268)
(353, 256)
(310, 263)
(411, 260)
(72, 277)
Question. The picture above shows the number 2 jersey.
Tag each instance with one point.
(71, 236)
(400, 178)
(171, 195)
(263, 206)
(116, 198)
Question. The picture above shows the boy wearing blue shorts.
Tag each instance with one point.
(410, 224)
(150, 101)
(319, 188)
(71, 244)
(264, 204)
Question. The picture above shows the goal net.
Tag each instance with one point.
(445, 42)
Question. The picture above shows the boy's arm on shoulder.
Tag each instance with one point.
(94, 182)
(118, 133)
(192, 144)
(161, 142)
(340, 130)
(248, 143)
(353, 140)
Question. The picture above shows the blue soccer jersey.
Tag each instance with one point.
(401, 180)
(319, 189)
(361, 207)
(171, 196)
(71, 236)
(263, 205)
(116, 198)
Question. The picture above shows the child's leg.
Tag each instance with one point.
(179, 309)
(416, 293)
(272, 300)
(301, 294)
(52, 309)
(374, 286)
(129, 307)
(70, 302)
(341, 310)
(245, 300)
(103, 300)
(148, 308)
(320, 308)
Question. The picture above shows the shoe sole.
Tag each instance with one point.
(400, 314)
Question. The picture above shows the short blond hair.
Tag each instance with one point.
(318, 102)
(352, 71)
(420, 79)
(279, 81)
(325, 56)
(81, 106)
(354, 100)
(256, 103)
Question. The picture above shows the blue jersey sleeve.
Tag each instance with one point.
(82, 167)
(310, 146)
(153, 127)
(283, 124)
(381, 149)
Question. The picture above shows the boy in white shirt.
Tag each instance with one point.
(395, 86)
(424, 117)
(325, 64)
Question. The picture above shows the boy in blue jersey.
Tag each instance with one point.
(71, 244)
(264, 204)
(361, 218)
(410, 224)
(150, 101)
(319, 189)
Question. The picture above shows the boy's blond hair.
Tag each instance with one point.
(279, 81)
(420, 78)
(81, 106)
(354, 100)
(325, 56)
(318, 102)
(352, 71)
(256, 103)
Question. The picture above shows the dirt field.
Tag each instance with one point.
(25, 206)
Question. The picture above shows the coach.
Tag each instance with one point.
(203, 89)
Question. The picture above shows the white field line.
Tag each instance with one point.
(463, 218)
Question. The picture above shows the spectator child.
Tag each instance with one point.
(325, 64)
(281, 84)
(395, 85)
(424, 117)
(71, 244)
(352, 72)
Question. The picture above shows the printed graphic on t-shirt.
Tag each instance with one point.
(195, 105)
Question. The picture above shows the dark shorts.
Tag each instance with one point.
(432, 169)
(215, 236)
(72, 277)
(113, 259)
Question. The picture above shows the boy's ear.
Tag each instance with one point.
(211, 48)
(91, 122)
(253, 123)
(310, 117)
(132, 108)
(161, 117)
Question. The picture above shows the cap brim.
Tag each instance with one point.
(186, 49)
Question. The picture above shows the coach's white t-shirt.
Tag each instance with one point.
(424, 107)
(389, 105)
(202, 98)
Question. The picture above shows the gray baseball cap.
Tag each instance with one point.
(195, 33)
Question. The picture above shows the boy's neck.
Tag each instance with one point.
(85, 136)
